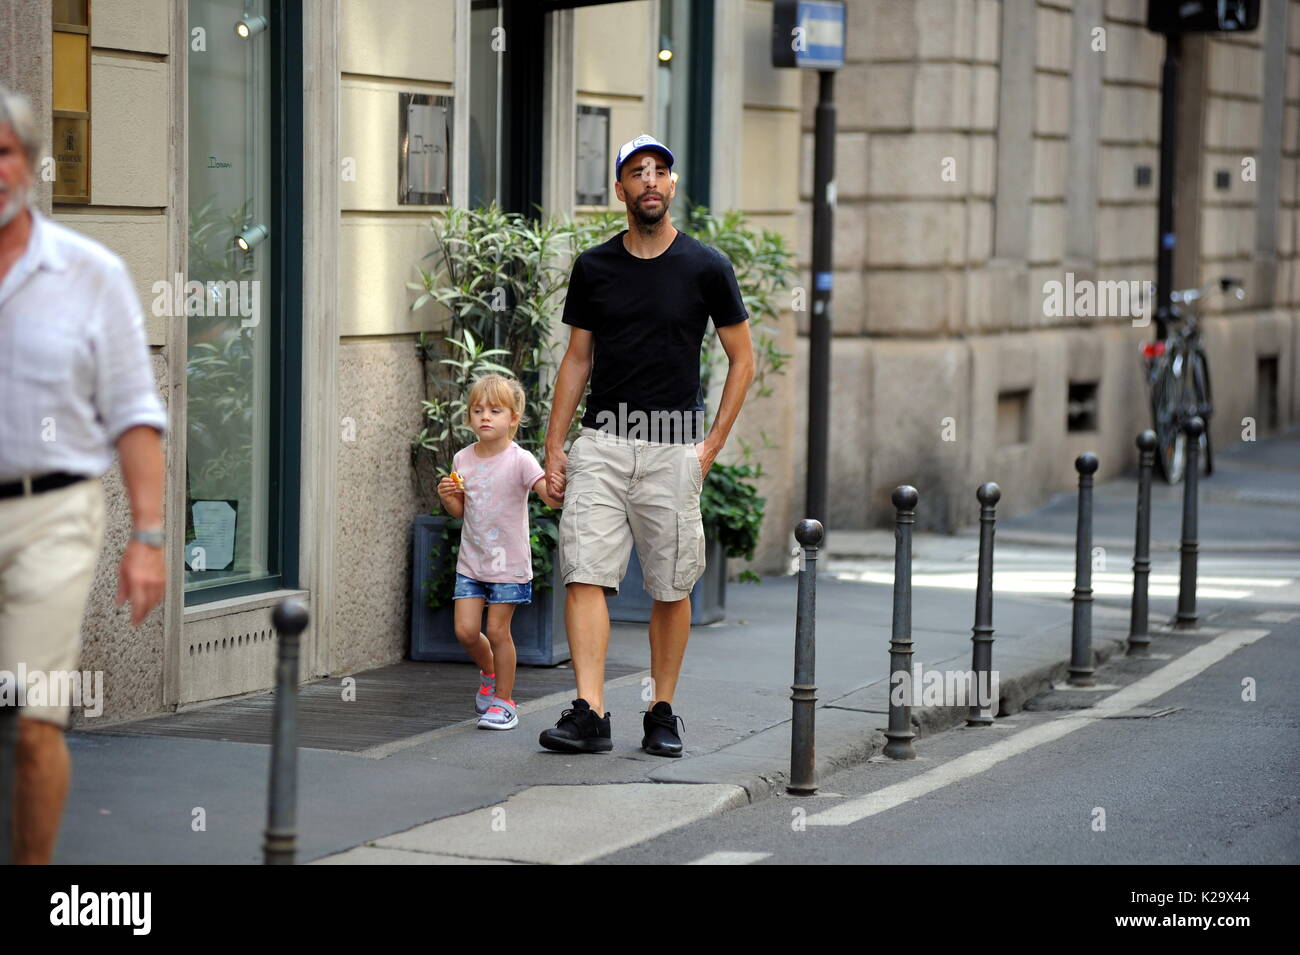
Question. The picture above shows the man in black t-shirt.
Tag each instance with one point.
(638, 306)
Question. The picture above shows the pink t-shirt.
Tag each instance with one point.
(494, 540)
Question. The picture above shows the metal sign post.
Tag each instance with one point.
(1173, 18)
(810, 35)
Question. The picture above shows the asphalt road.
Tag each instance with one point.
(1195, 775)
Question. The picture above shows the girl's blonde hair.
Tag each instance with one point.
(500, 391)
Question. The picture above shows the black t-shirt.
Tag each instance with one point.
(648, 318)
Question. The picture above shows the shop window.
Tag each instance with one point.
(1266, 394)
(485, 73)
(70, 47)
(1013, 418)
(238, 297)
(685, 84)
(1081, 406)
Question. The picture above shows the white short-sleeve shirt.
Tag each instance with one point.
(494, 540)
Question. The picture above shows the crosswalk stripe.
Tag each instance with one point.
(1135, 694)
(1104, 584)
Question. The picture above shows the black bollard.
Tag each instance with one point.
(290, 619)
(981, 710)
(8, 775)
(803, 693)
(1186, 616)
(1081, 668)
(1139, 637)
(900, 733)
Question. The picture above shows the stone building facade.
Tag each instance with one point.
(302, 109)
(984, 149)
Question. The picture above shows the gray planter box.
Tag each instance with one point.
(537, 628)
(708, 597)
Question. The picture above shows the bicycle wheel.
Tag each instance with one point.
(1167, 415)
(1200, 383)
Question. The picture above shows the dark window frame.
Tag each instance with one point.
(524, 78)
(285, 413)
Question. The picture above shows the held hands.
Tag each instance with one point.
(557, 465)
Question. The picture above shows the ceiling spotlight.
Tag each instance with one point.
(251, 25)
(251, 237)
(665, 56)
(665, 48)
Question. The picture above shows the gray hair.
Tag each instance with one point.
(16, 111)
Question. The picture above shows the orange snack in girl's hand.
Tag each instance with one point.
(460, 482)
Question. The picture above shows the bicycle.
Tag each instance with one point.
(1178, 375)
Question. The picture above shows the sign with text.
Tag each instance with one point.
(808, 34)
(593, 156)
(424, 149)
(71, 101)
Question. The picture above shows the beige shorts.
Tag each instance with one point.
(49, 547)
(619, 492)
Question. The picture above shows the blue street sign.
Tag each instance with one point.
(808, 34)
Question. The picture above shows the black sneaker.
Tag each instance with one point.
(660, 726)
(579, 730)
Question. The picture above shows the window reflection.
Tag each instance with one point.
(227, 296)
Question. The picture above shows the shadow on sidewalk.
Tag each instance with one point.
(390, 703)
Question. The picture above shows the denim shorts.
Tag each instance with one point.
(496, 593)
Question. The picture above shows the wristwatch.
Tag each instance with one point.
(153, 538)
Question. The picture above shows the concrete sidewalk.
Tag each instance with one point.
(462, 795)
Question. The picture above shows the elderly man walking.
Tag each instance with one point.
(638, 306)
(75, 383)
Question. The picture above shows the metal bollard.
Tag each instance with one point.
(1139, 637)
(1186, 616)
(280, 847)
(1081, 668)
(900, 733)
(8, 777)
(803, 693)
(981, 710)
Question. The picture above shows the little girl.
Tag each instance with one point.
(489, 486)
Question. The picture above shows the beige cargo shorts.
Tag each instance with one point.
(619, 492)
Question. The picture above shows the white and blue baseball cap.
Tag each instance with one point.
(644, 141)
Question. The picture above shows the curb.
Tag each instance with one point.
(848, 735)
(1035, 538)
(1062, 541)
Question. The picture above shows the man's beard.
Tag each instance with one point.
(649, 217)
(12, 202)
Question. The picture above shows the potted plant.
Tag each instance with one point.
(497, 274)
